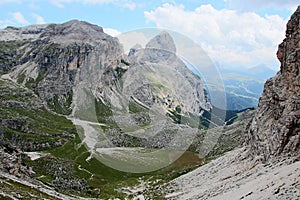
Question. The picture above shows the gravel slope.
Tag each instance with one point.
(234, 176)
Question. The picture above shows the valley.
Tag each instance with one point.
(84, 118)
(105, 139)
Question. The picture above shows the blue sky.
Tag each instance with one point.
(234, 33)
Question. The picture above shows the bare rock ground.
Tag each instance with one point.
(235, 176)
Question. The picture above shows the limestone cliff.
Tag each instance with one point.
(275, 129)
(46, 58)
(172, 84)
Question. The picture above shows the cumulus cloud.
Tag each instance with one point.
(122, 3)
(247, 5)
(111, 31)
(39, 19)
(229, 37)
(19, 18)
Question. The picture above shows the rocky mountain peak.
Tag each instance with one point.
(74, 31)
(275, 129)
(160, 48)
(163, 41)
(293, 24)
(76, 26)
(49, 60)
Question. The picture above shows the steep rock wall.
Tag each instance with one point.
(275, 129)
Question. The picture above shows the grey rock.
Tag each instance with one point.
(11, 162)
(158, 76)
(160, 49)
(162, 41)
(275, 129)
(48, 61)
(74, 31)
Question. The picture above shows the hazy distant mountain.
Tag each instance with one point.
(244, 86)
(258, 72)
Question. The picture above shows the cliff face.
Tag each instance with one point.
(52, 60)
(46, 59)
(275, 129)
(172, 84)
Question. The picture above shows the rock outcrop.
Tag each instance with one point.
(160, 49)
(11, 162)
(52, 60)
(46, 59)
(171, 83)
(275, 129)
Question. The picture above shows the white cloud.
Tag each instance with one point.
(4, 23)
(111, 31)
(122, 3)
(229, 37)
(60, 3)
(247, 5)
(39, 19)
(19, 18)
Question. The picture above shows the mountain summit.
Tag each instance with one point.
(74, 31)
(163, 41)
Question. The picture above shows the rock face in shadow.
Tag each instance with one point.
(275, 129)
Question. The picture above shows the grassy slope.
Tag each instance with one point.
(15, 189)
(100, 177)
(45, 127)
(69, 161)
(25, 120)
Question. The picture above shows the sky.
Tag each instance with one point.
(234, 33)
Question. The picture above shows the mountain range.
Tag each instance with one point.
(245, 86)
(70, 91)
(81, 119)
